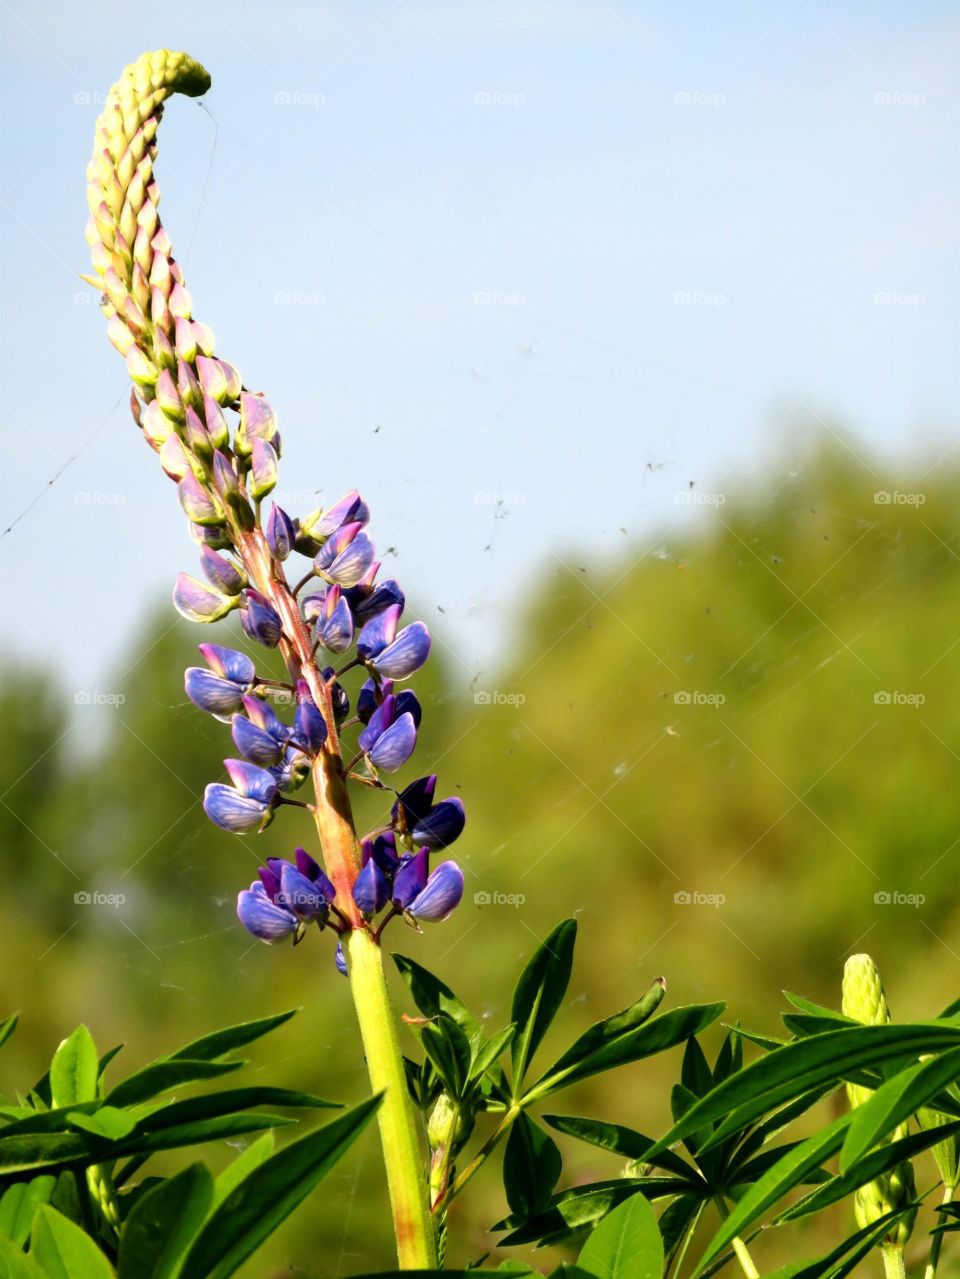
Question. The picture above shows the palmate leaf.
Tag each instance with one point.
(627, 1036)
(802, 1066)
(538, 995)
(788, 1172)
(843, 1259)
(626, 1244)
(895, 1101)
(268, 1194)
(432, 997)
(867, 1168)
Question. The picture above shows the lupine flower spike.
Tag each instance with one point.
(219, 441)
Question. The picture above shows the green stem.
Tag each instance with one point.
(478, 1160)
(406, 1178)
(936, 1242)
(893, 1264)
(739, 1247)
(680, 1255)
(416, 1241)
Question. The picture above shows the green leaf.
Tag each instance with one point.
(870, 1166)
(572, 1210)
(234, 1173)
(7, 1028)
(268, 1194)
(695, 1075)
(62, 1249)
(897, 1099)
(448, 1048)
(219, 1042)
(106, 1121)
(15, 1265)
(162, 1223)
(799, 1067)
(486, 1054)
(620, 1141)
(818, 1010)
(626, 1244)
(621, 1039)
(74, 1069)
(431, 996)
(18, 1204)
(730, 1056)
(531, 1167)
(539, 993)
(781, 1178)
(162, 1075)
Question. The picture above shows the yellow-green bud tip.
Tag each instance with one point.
(864, 999)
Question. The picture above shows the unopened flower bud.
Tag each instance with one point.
(221, 572)
(264, 470)
(199, 603)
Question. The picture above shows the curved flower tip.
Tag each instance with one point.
(367, 603)
(280, 533)
(340, 959)
(311, 870)
(256, 744)
(216, 696)
(371, 890)
(301, 896)
(380, 631)
(246, 805)
(352, 564)
(442, 825)
(406, 654)
(199, 603)
(309, 726)
(415, 800)
(222, 573)
(411, 878)
(262, 917)
(260, 620)
(441, 895)
(228, 663)
(393, 748)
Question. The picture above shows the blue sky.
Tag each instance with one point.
(488, 261)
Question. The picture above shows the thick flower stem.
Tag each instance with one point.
(416, 1239)
(893, 1262)
(406, 1181)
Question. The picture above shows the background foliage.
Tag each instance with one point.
(800, 600)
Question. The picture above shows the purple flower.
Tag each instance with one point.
(229, 663)
(370, 697)
(311, 870)
(415, 801)
(340, 960)
(338, 694)
(247, 804)
(264, 469)
(388, 739)
(280, 533)
(328, 521)
(199, 603)
(301, 896)
(440, 896)
(383, 850)
(260, 620)
(354, 563)
(406, 654)
(411, 878)
(292, 770)
(262, 917)
(371, 889)
(380, 631)
(221, 572)
(367, 601)
(335, 544)
(309, 726)
(335, 622)
(219, 691)
(198, 503)
(256, 744)
(442, 825)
